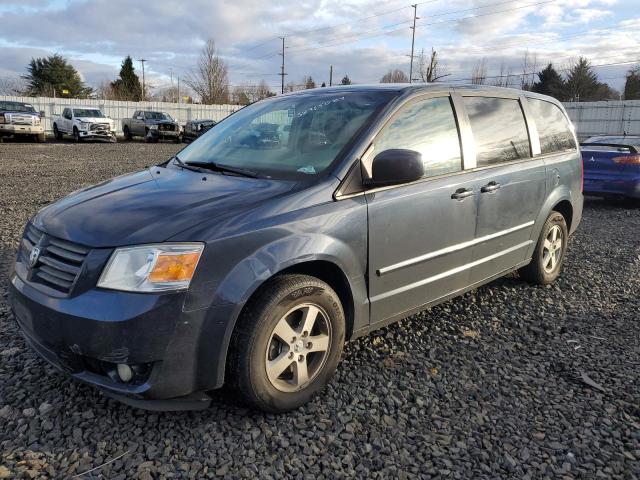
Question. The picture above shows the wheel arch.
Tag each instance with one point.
(565, 208)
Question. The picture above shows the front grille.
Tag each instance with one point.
(59, 262)
(166, 127)
(17, 119)
(100, 126)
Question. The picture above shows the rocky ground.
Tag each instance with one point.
(509, 381)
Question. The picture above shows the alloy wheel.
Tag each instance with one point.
(298, 347)
(552, 249)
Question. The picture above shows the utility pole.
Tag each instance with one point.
(282, 74)
(179, 98)
(331, 75)
(413, 39)
(142, 60)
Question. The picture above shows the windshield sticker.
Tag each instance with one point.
(309, 170)
(319, 106)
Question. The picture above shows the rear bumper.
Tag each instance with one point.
(86, 336)
(10, 129)
(627, 187)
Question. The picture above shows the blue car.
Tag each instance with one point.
(612, 166)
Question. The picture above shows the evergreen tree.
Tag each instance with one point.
(549, 83)
(128, 86)
(54, 75)
(582, 82)
(346, 80)
(309, 83)
(632, 85)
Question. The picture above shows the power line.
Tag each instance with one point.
(364, 35)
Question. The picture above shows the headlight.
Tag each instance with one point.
(152, 268)
(84, 125)
(36, 121)
(153, 127)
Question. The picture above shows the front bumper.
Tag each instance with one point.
(11, 129)
(103, 134)
(86, 335)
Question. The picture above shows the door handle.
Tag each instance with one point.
(490, 187)
(462, 193)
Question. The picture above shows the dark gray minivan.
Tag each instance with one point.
(295, 224)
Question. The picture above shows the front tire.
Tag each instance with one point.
(287, 343)
(57, 133)
(127, 134)
(548, 257)
(76, 135)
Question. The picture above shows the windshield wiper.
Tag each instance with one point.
(181, 164)
(218, 167)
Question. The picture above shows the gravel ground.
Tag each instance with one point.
(509, 381)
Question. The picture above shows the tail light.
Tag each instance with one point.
(627, 160)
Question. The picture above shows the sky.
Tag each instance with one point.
(360, 38)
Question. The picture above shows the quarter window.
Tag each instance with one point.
(499, 130)
(554, 129)
(429, 127)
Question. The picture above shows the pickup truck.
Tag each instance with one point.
(83, 123)
(152, 126)
(18, 118)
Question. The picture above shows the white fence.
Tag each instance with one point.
(117, 110)
(605, 118)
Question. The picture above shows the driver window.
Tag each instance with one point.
(429, 127)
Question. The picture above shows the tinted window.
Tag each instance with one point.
(553, 127)
(499, 130)
(428, 127)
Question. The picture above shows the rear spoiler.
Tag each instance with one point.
(632, 149)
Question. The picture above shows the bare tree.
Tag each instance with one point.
(529, 69)
(505, 78)
(395, 76)
(11, 86)
(479, 72)
(262, 91)
(291, 87)
(430, 69)
(210, 80)
(308, 82)
(246, 94)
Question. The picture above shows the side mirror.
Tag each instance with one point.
(395, 166)
(41, 113)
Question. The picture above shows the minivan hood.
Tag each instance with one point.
(94, 119)
(152, 206)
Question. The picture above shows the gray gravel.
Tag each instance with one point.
(509, 381)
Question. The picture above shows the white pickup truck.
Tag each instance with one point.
(82, 123)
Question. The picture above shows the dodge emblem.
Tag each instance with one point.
(33, 257)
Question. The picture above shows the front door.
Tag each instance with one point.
(418, 232)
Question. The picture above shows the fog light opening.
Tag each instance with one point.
(124, 372)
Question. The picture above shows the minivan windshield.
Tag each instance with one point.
(85, 112)
(293, 137)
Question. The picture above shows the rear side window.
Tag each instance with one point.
(554, 129)
(499, 130)
(429, 127)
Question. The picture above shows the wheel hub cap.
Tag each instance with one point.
(552, 249)
(298, 347)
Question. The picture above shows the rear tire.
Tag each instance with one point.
(548, 257)
(287, 343)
